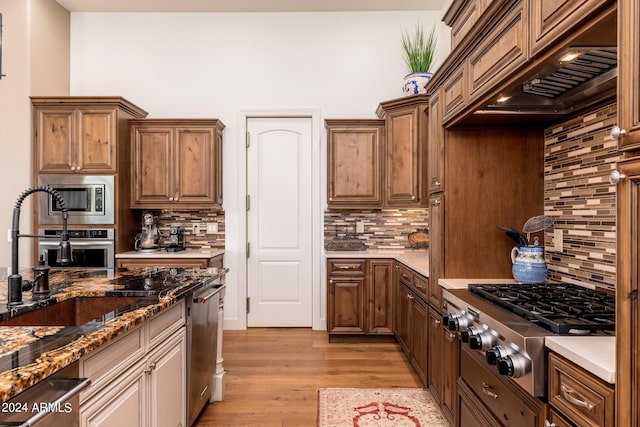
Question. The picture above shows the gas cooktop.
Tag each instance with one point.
(559, 307)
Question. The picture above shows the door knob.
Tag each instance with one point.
(615, 177)
(617, 133)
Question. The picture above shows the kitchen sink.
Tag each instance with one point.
(71, 312)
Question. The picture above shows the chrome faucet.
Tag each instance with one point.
(64, 253)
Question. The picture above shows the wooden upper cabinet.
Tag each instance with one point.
(80, 135)
(503, 50)
(628, 74)
(176, 163)
(354, 163)
(406, 125)
(552, 19)
(436, 145)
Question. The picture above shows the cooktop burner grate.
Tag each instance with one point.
(563, 309)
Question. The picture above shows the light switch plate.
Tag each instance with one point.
(360, 227)
(212, 227)
(558, 244)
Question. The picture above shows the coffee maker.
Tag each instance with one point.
(149, 239)
(176, 239)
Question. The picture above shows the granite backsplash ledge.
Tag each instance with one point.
(383, 228)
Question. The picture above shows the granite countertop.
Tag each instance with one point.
(187, 253)
(30, 354)
(595, 354)
(416, 259)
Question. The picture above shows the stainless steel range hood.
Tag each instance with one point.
(578, 77)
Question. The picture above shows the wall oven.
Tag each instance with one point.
(89, 199)
(91, 248)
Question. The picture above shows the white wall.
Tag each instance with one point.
(217, 65)
(35, 59)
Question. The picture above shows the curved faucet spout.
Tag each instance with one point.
(64, 254)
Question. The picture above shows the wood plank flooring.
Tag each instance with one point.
(273, 375)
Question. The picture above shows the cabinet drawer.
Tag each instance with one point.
(421, 284)
(346, 266)
(583, 398)
(111, 360)
(165, 323)
(406, 275)
(495, 394)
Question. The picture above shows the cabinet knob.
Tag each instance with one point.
(175, 199)
(617, 133)
(171, 199)
(331, 281)
(436, 322)
(413, 197)
(436, 183)
(78, 168)
(409, 296)
(331, 199)
(73, 168)
(152, 365)
(435, 203)
(615, 177)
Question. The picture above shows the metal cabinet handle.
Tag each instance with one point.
(147, 371)
(486, 389)
(405, 275)
(152, 365)
(436, 322)
(419, 286)
(437, 183)
(617, 133)
(409, 296)
(615, 177)
(171, 199)
(331, 199)
(548, 423)
(346, 267)
(568, 394)
(331, 281)
(435, 203)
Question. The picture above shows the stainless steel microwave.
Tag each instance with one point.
(89, 199)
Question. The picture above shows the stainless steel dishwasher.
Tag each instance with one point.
(202, 339)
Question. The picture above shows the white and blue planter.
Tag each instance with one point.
(528, 264)
(414, 83)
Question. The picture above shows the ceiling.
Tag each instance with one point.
(248, 5)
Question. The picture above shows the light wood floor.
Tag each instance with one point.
(273, 375)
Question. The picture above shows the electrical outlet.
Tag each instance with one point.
(558, 244)
(196, 228)
(212, 227)
(360, 227)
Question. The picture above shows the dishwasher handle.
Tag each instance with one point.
(203, 299)
(82, 383)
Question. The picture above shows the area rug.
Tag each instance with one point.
(377, 407)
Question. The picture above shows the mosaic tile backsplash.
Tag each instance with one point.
(187, 219)
(383, 229)
(579, 156)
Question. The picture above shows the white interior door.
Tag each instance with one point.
(279, 221)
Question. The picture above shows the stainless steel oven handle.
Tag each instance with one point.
(76, 243)
(82, 384)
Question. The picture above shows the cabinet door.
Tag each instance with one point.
(436, 248)
(502, 51)
(627, 395)
(406, 138)
(436, 145)
(346, 304)
(629, 74)
(450, 372)
(435, 358)
(123, 403)
(419, 331)
(403, 317)
(380, 297)
(96, 148)
(55, 139)
(194, 166)
(550, 20)
(354, 165)
(152, 151)
(167, 383)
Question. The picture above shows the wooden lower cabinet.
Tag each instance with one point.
(140, 378)
(360, 297)
(412, 320)
(495, 399)
(436, 344)
(450, 366)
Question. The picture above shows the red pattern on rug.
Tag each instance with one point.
(360, 407)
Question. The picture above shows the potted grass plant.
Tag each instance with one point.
(419, 50)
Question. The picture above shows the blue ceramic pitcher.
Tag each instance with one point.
(528, 264)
